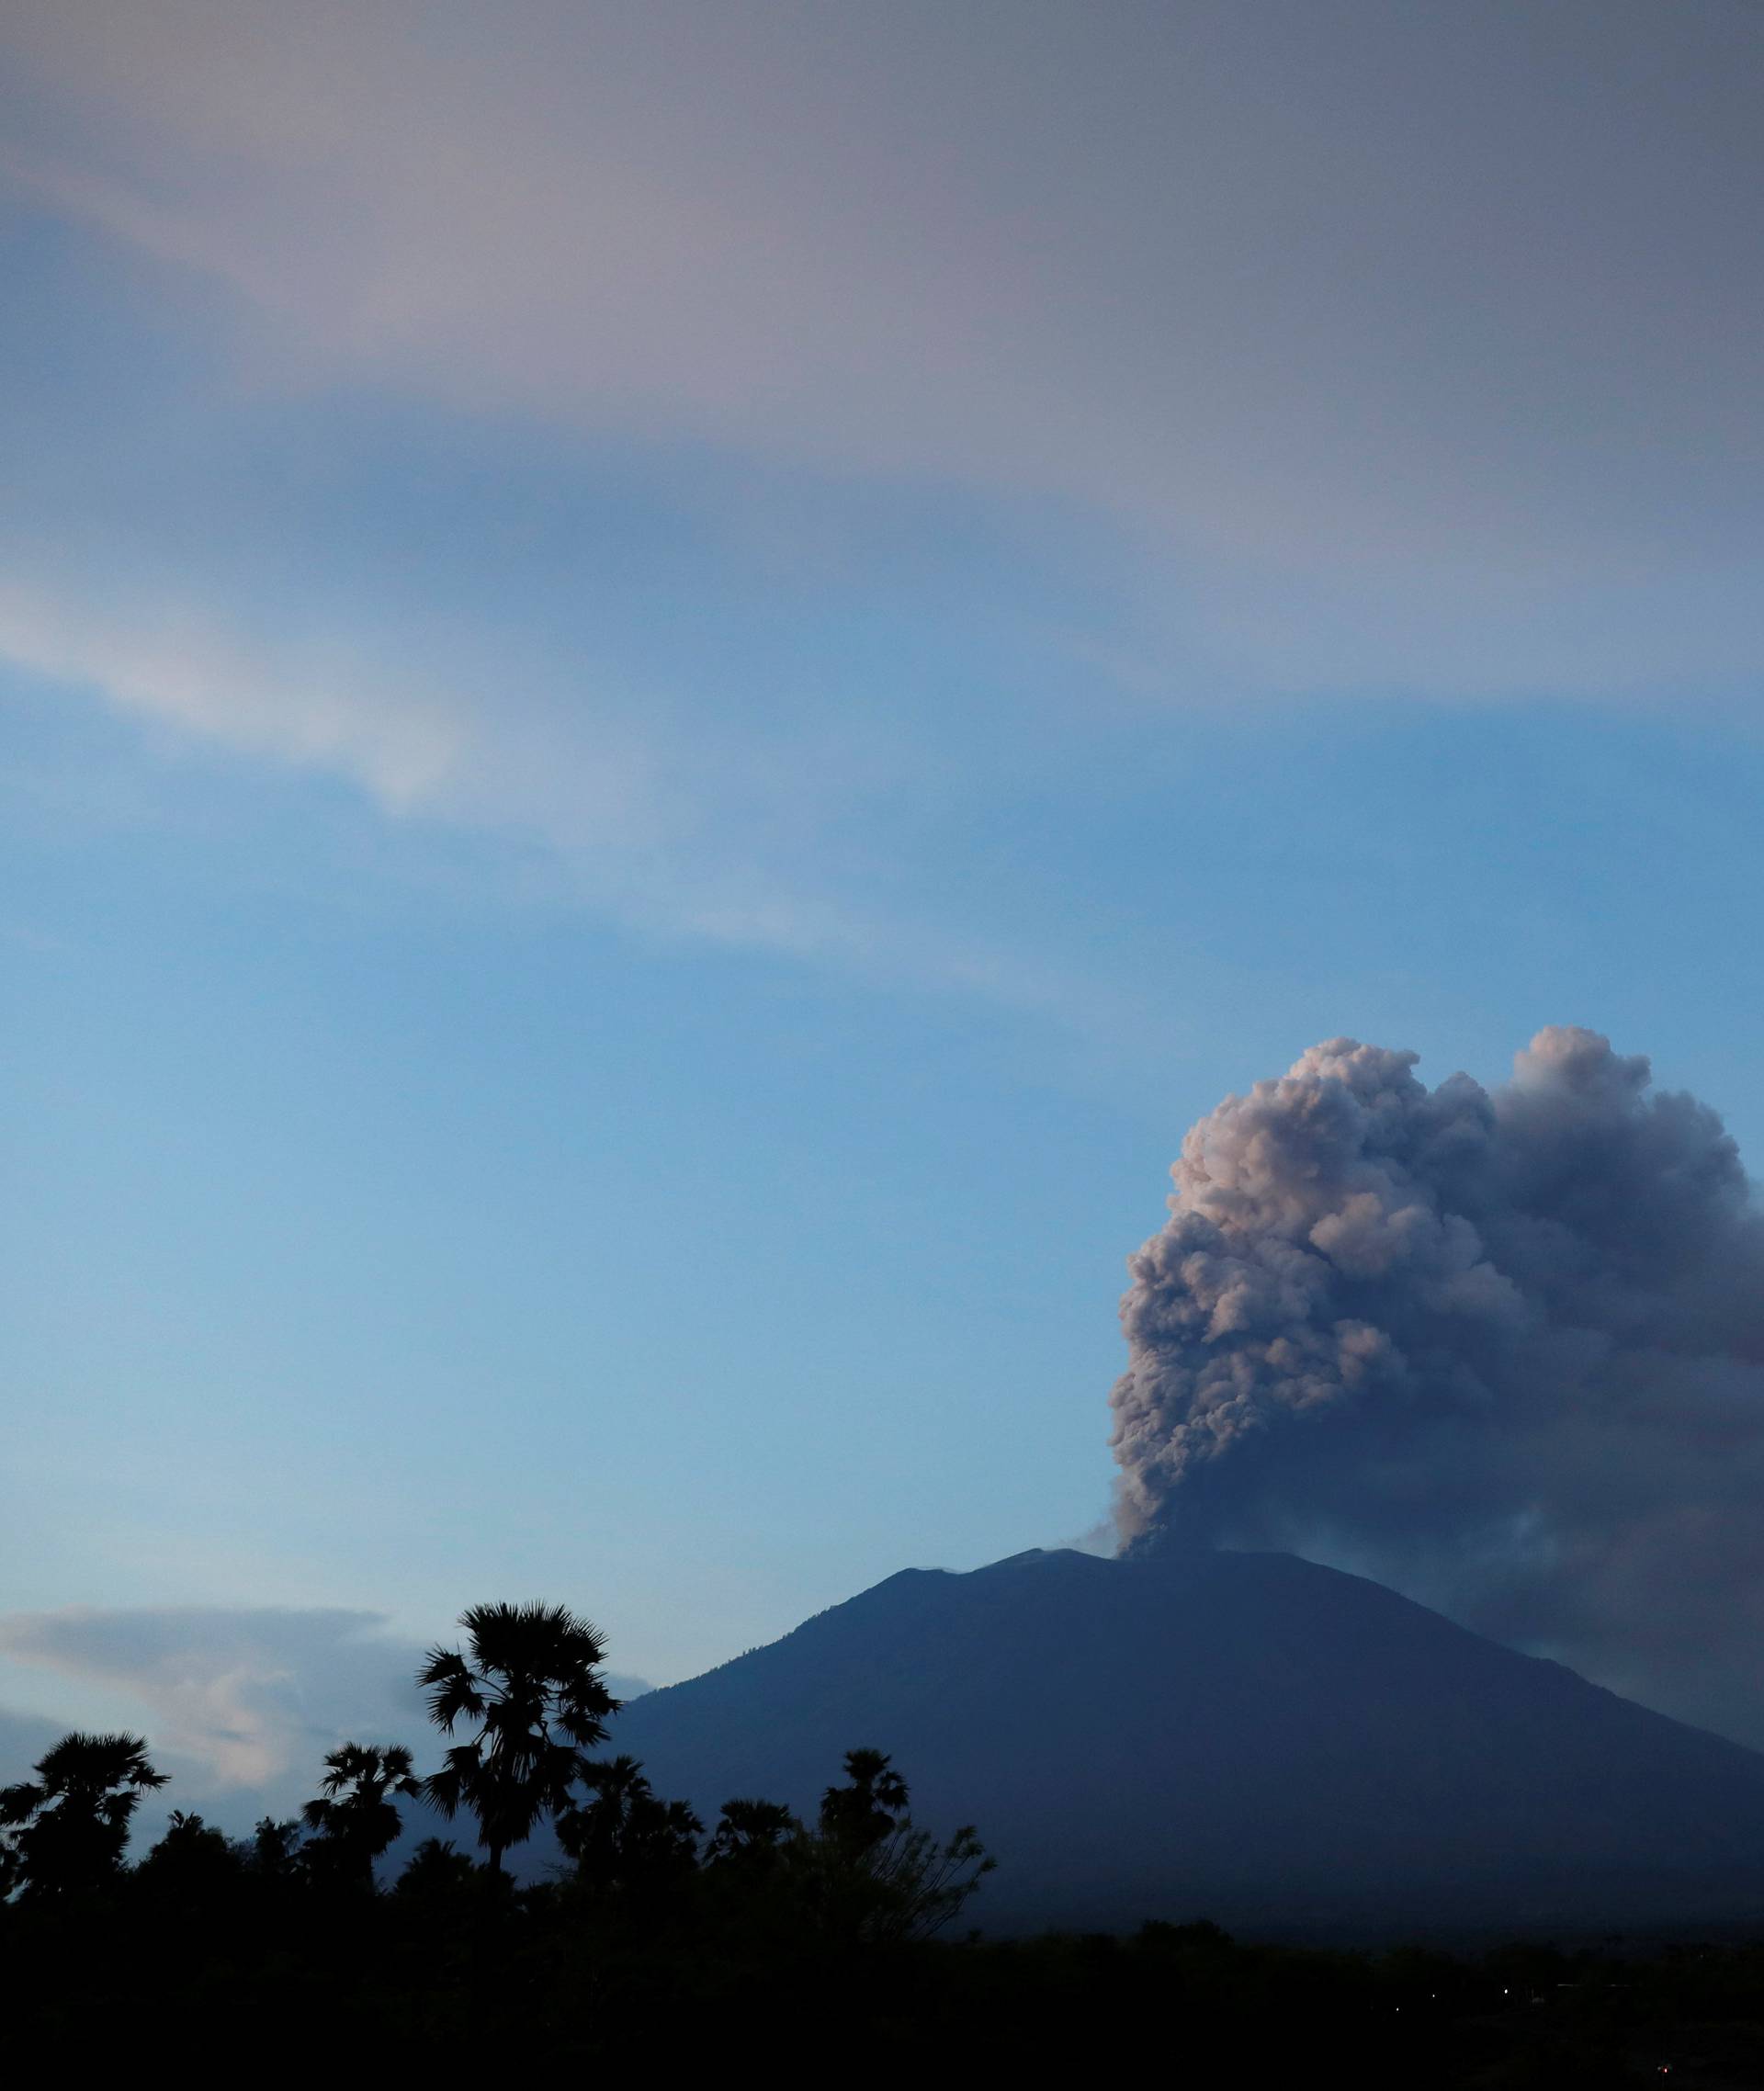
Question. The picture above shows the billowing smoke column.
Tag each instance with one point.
(1504, 1350)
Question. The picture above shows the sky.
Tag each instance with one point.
(677, 681)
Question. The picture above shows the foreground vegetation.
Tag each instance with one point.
(762, 1941)
(448, 1970)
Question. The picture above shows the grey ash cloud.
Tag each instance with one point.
(1503, 1349)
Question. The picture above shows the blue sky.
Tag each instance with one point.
(674, 692)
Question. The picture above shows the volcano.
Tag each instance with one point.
(1249, 1738)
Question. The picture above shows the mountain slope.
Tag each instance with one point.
(1248, 1737)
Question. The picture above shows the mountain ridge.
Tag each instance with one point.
(1244, 1736)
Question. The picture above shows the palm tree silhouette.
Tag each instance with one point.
(68, 1832)
(532, 1686)
(861, 1815)
(868, 1874)
(273, 1847)
(193, 1863)
(751, 1833)
(593, 1833)
(627, 1831)
(354, 1819)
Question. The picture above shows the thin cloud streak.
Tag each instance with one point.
(665, 828)
(182, 671)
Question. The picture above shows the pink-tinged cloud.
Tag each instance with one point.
(1407, 342)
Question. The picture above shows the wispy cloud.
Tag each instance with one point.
(670, 819)
(639, 828)
(180, 669)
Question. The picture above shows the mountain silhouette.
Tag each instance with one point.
(1245, 1737)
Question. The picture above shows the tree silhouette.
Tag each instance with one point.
(273, 1847)
(437, 1879)
(751, 1832)
(354, 1818)
(594, 1833)
(859, 1815)
(192, 1864)
(627, 1832)
(868, 1874)
(70, 1831)
(532, 1686)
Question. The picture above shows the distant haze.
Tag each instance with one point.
(1502, 1349)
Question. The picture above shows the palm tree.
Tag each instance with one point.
(273, 1847)
(861, 1815)
(751, 1833)
(192, 1864)
(868, 1874)
(532, 1687)
(435, 1876)
(70, 1831)
(593, 1833)
(354, 1819)
(627, 1831)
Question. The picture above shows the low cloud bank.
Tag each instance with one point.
(239, 1705)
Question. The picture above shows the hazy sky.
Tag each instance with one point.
(677, 680)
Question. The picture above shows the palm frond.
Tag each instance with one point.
(443, 1789)
(19, 1803)
(441, 1663)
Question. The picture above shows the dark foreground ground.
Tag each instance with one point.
(551, 1981)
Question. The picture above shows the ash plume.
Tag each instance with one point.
(1502, 1349)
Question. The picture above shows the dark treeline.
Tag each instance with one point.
(758, 1940)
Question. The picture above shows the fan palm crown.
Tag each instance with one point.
(869, 1809)
(354, 1817)
(69, 1829)
(529, 1683)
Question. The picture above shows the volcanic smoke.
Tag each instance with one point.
(1504, 1350)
